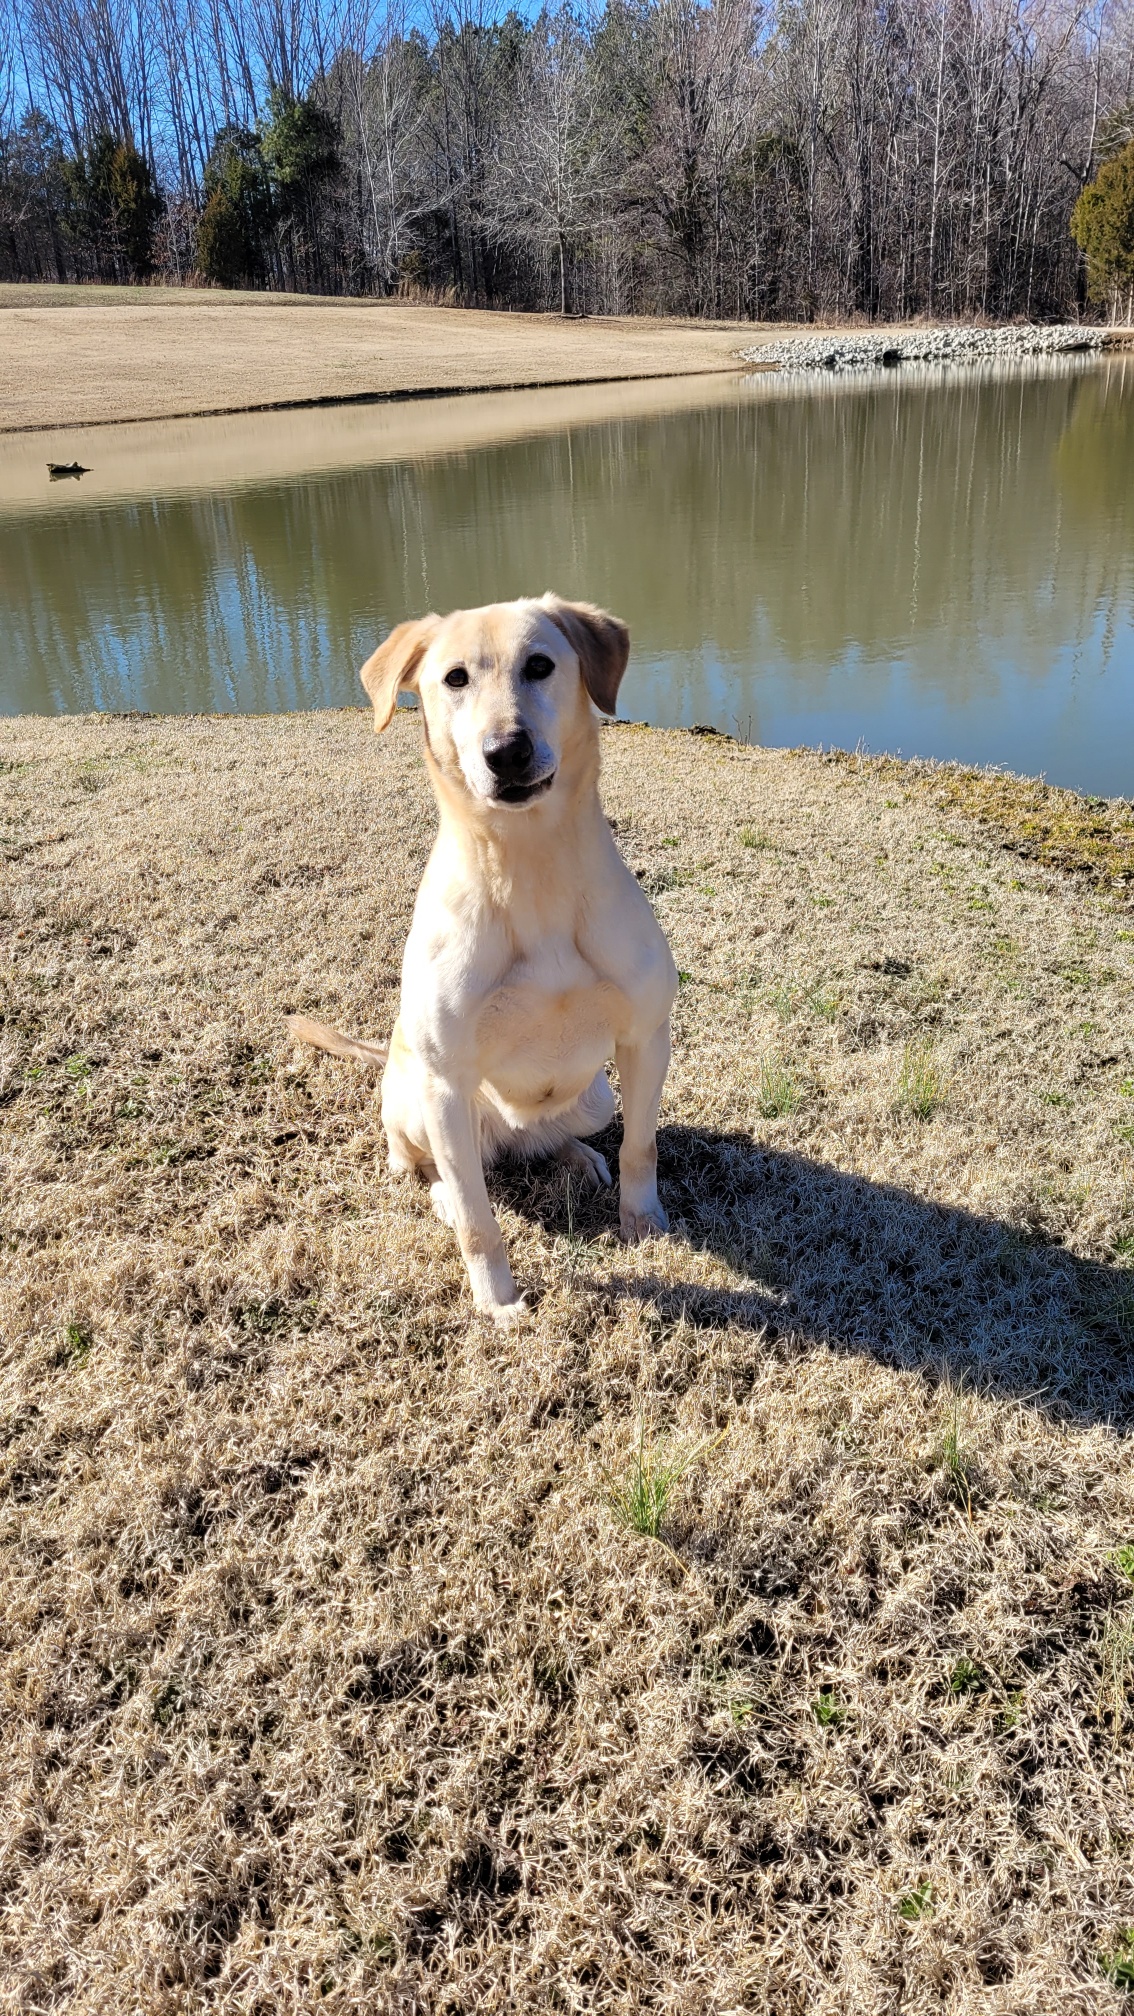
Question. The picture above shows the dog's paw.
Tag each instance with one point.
(600, 1176)
(592, 1167)
(439, 1198)
(647, 1224)
(506, 1315)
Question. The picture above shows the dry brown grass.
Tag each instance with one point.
(1090, 836)
(77, 357)
(332, 1676)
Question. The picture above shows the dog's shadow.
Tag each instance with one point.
(866, 1268)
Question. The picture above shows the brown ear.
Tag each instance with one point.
(600, 642)
(393, 666)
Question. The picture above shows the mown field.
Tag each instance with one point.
(74, 357)
(335, 1671)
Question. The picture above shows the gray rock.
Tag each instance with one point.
(865, 352)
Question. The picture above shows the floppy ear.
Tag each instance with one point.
(600, 642)
(394, 665)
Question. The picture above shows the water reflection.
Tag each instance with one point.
(942, 565)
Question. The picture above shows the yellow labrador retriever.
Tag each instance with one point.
(533, 957)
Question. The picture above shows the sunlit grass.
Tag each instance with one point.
(921, 1081)
(777, 1093)
(641, 1497)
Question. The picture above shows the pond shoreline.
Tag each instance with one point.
(1075, 832)
(89, 357)
(177, 355)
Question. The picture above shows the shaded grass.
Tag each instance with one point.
(327, 1678)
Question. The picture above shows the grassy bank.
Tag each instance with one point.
(80, 357)
(75, 357)
(337, 1672)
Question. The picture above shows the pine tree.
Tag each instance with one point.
(1102, 225)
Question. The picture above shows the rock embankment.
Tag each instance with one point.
(865, 351)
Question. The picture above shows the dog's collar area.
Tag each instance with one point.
(522, 794)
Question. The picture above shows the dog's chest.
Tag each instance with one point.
(548, 1027)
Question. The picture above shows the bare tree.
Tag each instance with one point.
(796, 157)
(553, 168)
(378, 86)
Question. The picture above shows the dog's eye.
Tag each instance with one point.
(457, 677)
(539, 667)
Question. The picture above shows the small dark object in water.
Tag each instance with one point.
(57, 469)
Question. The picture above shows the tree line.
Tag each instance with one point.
(765, 159)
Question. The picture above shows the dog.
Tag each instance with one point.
(534, 957)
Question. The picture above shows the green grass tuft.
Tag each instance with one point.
(967, 1677)
(76, 1346)
(921, 1082)
(917, 1903)
(827, 1708)
(824, 1002)
(1118, 1963)
(641, 1498)
(776, 1090)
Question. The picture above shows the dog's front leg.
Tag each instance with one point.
(454, 1139)
(641, 1073)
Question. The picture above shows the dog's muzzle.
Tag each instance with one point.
(511, 761)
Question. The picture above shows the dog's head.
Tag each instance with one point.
(505, 692)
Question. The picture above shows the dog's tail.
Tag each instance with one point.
(323, 1038)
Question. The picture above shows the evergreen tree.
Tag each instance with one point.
(114, 206)
(299, 142)
(234, 234)
(1102, 225)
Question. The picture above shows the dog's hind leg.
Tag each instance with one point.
(593, 1110)
(407, 1135)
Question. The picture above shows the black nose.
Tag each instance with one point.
(508, 756)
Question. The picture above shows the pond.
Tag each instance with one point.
(932, 563)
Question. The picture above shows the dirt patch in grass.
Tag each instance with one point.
(752, 1630)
